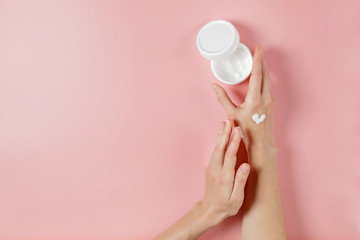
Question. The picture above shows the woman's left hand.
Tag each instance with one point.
(259, 100)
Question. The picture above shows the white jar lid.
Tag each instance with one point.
(217, 39)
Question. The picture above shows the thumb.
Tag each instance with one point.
(224, 99)
(240, 181)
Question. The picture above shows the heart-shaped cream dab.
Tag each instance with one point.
(258, 119)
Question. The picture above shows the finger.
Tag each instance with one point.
(224, 99)
(216, 158)
(266, 86)
(230, 155)
(226, 136)
(240, 181)
(256, 74)
(221, 142)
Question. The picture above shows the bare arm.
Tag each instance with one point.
(190, 226)
(224, 190)
(263, 215)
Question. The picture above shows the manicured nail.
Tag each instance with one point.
(240, 131)
(227, 122)
(214, 87)
(245, 168)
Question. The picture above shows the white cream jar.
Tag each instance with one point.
(231, 61)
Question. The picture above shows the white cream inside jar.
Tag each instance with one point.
(235, 68)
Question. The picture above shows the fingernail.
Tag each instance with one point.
(240, 131)
(214, 87)
(245, 168)
(227, 122)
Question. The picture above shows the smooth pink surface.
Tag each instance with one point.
(108, 119)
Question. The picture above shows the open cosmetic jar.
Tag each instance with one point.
(219, 42)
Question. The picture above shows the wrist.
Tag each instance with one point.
(191, 226)
(208, 218)
(261, 154)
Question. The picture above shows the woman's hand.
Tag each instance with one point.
(263, 215)
(224, 192)
(258, 100)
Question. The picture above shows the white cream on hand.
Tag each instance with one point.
(258, 119)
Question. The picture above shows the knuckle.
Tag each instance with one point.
(242, 180)
(217, 148)
(221, 147)
(237, 202)
(223, 178)
(255, 102)
(256, 76)
(230, 173)
(269, 106)
(233, 210)
(230, 156)
(219, 96)
(268, 100)
(258, 59)
(230, 149)
(222, 95)
(227, 176)
(210, 173)
(236, 141)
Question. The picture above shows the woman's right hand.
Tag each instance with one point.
(258, 100)
(224, 191)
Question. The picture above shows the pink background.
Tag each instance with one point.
(108, 119)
